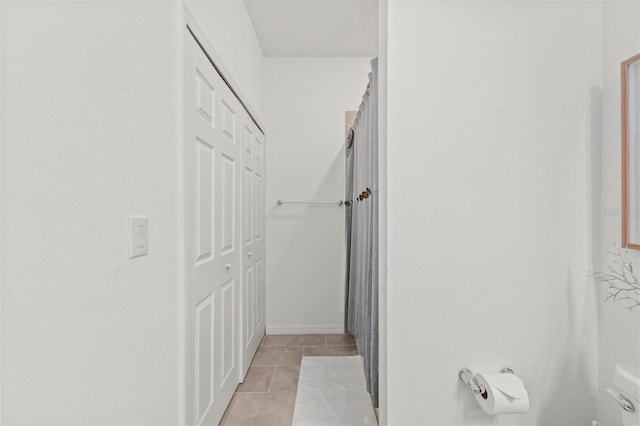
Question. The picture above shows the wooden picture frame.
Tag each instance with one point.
(630, 78)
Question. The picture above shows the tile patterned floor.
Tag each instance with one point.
(268, 394)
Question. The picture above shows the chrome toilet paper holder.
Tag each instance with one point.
(624, 403)
(466, 376)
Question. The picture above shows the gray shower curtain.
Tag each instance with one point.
(361, 302)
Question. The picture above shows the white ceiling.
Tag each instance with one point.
(316, 27)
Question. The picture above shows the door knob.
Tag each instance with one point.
(250, 254)
(227, 266)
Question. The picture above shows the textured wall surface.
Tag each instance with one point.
(489, 137)
(619, 335)
(88, 138)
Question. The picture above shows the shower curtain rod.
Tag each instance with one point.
(339, 202)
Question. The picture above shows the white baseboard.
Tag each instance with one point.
(306, 329)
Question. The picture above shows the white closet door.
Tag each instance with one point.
(212, 186)
(253, 241)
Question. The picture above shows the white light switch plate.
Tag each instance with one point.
(138, 236)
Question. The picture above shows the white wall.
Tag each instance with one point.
(226, 23)
(89, 137)
(619, 328)
(304, 102)
(489, 144)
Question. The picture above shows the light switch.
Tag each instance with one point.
(138, 236)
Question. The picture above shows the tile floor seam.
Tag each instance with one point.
(273, 373)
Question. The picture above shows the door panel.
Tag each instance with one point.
(259, 147)
(260, 301)
(229, 331)
(205, 99)
(228, 204)
(248, 302)
(259, 205)
(205, 155)
(247, 211)
(228, 121)
(248, 142)
(253, 238)
(204, 356)
(214, 269)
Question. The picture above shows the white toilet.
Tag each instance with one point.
(627, 382)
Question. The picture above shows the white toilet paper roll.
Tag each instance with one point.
(504, 393)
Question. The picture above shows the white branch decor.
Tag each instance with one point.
(619, 278)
